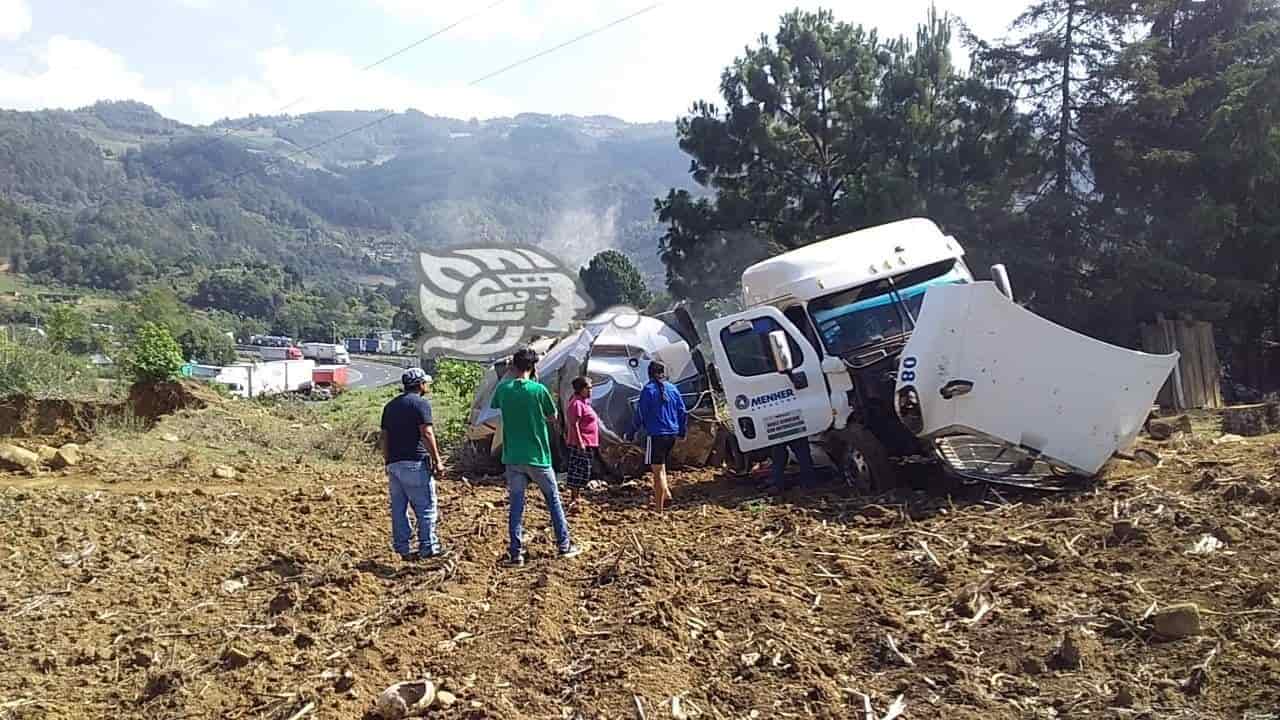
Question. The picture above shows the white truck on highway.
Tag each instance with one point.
(878, 345)
(250, 380)
(330, 353)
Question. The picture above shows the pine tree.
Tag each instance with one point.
(827, 129)
(610, 279)
(1190, 161)
(1058, 65)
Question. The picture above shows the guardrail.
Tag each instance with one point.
(392, 360)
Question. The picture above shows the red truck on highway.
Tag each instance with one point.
(332, 377)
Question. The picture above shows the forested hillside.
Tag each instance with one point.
(114, 196)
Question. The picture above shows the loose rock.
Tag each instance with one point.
(1177, 621)
(46, 453)
(67, 456)
(1205, 545)
(224, 472)
(1076, 650)
(13, 457)
(233, 658)
(1165, 428)
(1125, 531)
(402, 699)
(445, 699)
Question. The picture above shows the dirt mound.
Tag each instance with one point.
(155, 400)
(24, 417)
(58, 419)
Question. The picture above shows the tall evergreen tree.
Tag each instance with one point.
(610, 279)
(1057, 63)
(1190, 162)
(827, 129)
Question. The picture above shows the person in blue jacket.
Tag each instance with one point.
(660, 411)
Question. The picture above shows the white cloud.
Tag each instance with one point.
(15, 19)
(330, 81)
(76, 73)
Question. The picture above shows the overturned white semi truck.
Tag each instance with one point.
(878, 346)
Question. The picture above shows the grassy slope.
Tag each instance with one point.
(91, 302)
(259, 438)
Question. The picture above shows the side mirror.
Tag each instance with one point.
(780, 351)
(1000, 276)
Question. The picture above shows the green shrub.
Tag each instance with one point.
(69, 330)
(154, 354)
(203, 343)
(38, 370)
(453, 388)
(458, 378)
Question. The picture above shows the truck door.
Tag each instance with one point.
(769, 405)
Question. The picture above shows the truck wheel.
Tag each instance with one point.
(864, 461)
(738, 462)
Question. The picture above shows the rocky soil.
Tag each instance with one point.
(146, 584)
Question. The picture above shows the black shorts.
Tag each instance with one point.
(657, 448)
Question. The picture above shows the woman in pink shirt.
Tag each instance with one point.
(582, 427)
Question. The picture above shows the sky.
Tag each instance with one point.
(202, 60)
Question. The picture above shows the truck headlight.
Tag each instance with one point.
(909, 410)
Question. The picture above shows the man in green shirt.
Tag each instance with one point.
(528, 412)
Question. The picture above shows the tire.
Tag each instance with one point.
(864, 461)
(737, 461)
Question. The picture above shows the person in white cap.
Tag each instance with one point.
(413, 462)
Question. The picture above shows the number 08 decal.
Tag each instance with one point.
(908, 373)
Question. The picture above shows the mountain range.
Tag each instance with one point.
(331, 192)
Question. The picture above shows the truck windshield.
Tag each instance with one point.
(870, 314)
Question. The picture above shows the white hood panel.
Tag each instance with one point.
(1074, 399)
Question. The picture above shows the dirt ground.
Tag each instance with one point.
(137, 585)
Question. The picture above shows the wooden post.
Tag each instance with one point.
(1195, 382)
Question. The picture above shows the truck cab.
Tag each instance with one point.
(879, 344)
(816, 354)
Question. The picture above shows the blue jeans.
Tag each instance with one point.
(411, 485)
(778, 454)
(518, 477)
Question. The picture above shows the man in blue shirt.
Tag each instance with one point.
(412, 459)
(661, 412)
